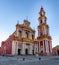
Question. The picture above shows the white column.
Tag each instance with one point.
(35, 49)
(50, 47)
(16, 48)
(23, 48)
(39, 47)
(46, 44)
(47, 47)
(43, 47)
(31, 48)
(13, 48)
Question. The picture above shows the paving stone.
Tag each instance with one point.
(29, 60)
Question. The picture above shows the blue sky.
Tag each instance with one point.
(13, 10)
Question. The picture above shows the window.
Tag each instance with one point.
(41, 21)
(32, 36)
(20, 33)
(44, 30)
(38, 32)
(26, 34)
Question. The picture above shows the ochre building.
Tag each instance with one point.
(23, 42)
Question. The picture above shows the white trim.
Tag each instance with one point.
(43, 47)
(39, 47)
(46, 44)
(14, 48)
(31, 48)
(23, 48)
(50, 46)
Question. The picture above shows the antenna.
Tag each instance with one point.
(17, 21)
(41, 6)
(27, 18)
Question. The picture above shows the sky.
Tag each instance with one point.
(13, 10)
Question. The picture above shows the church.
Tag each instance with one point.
(23, 42)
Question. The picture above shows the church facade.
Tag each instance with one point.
(23, 42)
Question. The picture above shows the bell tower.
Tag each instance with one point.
(44, 38)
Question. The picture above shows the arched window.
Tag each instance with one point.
(41, 22)
(32, 36)
(20, 33)
(44, 30)
(39, 32)
(26, 34)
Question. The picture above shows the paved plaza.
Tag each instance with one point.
(29, 60)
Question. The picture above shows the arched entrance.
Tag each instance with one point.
(33, 52)
(58, 52)
(19, 51)
(26, 51)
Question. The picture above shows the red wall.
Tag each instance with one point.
(6, 47)
(0, 50)
(3, 48)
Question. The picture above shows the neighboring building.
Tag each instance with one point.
(44, 38)
(55, 50)
(23, 42)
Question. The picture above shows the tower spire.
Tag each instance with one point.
(42, 18)
(42, 12)
(41, 7)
